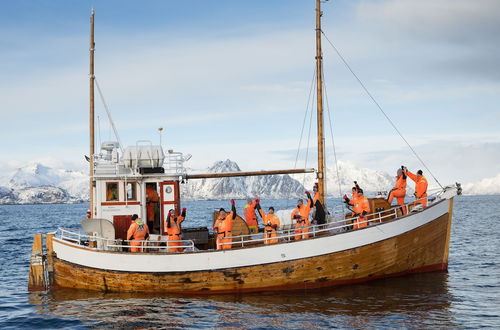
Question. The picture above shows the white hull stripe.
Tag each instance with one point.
(202, 261)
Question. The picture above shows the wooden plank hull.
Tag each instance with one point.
(422, 249)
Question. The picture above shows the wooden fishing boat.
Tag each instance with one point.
(121, 182)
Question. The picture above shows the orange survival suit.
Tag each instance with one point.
(151, 200)
(271, 223)
(224, 226)
(420, 188)
(301, 217)
(360, 208)
(137, 231)
(250, 217)
(399, 190)
(173, 229)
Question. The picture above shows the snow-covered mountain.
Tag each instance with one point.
(370, 180)
(488, 186)
(272, 186)
(37, 183)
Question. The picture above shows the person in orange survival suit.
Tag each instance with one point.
(319, 210)
(173, 229)
(152, 200)
(138, 231)
(354, 196)
(399, 190)
(249, 214)
(271, 224)
(301, 217)
(224, 226)
(420, 186)
(360, 208)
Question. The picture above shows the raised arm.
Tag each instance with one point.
(309, 199)
(182, 216)
(261, 211)
(233, 209)
(411, 176)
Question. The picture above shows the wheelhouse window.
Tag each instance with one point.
(111, 191)
(131, 191)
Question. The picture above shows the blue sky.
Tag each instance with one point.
(230, 79)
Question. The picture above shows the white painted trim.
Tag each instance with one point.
(223, 259)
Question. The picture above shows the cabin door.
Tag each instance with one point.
(169, 199)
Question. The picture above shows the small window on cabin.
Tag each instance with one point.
(112, 191)
(131, 189)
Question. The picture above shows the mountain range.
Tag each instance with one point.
(37, 183)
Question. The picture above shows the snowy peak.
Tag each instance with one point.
(38, 183)
(368, 179)
(33, 175)
(273, 186)
(224, 167)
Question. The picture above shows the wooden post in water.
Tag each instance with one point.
(50, 259)
(319, 97)
(36, 279)
(91, 117)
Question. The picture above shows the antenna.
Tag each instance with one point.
(160, 130)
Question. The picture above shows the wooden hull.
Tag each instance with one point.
(422, 249)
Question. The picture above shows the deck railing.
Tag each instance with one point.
(107, 244)
(331, 228)
(285, 235)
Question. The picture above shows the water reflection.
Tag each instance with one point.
(411, 301)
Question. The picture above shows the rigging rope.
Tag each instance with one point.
(109, 114)
(380, 108)
(304, 120)
(308, 140)
(302, 130)
(99, 129)
(333, 144)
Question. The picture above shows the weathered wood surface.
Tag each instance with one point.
(422, 249)
(36, 280)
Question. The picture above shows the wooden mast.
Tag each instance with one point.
(319, 97)
(91, 116)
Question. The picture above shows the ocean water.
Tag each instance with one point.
(467, 296)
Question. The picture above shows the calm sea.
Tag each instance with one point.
(468, 296)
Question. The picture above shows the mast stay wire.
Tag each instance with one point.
(302, 130)
(333, 145)
(304, 121)
(99, 129)
(109, 114)
(380, 108)
(308, 140)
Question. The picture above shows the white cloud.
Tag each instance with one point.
(486, 186)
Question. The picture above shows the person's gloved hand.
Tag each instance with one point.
(232, 202)
(346, 199)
